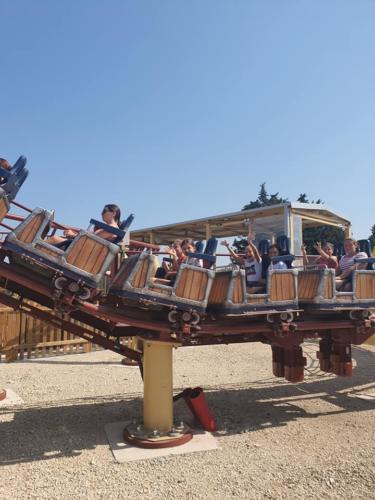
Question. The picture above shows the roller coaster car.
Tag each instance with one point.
(79, 270)
(10, 182)
(317, 290)
(135, 284)
(229, 294)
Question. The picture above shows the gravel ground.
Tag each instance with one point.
(277, 440)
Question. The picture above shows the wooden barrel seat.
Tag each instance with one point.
(230, 295)
(87, 258)
(136, 281)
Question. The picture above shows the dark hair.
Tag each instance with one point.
(187, 241)
(113, 208)
(5, 164)
(275, 246)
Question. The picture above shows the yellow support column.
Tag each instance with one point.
(158, 386)
(158, 430)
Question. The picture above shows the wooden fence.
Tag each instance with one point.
(22, 336)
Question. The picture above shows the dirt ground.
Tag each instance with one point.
(315, 439)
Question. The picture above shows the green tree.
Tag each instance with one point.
(323, 233)
(264, 199)
(302, 198)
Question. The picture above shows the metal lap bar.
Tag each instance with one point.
(203, 256)
(110, 229)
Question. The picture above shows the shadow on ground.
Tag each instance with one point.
(50, 430)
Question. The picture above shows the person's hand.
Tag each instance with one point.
(224, 243)
(171, 251)
(303, 248)
(318, 246)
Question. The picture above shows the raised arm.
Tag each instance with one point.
(232, 252)
(257, 256)
(304, 254)
(322, 253)
(250, 239)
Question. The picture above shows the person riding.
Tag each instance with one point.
(347, 265)
(111, 215)
(326, 258)
(252, 261)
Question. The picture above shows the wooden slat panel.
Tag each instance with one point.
(73, 252)
(196, 280)
(219, 288)
(365, 287)
(275, 292)
(88, 255)
(139, 279)
(238, 296)
(143, 275)
(282, 287)
(3, 209)
(124, 272)
(199, 283)
(194, 285)
(48, 251)
(235, 290)
(360, 287)
(181, 283)
(200, 286)
(256, 300)
(101, 256)
(92, 258)
(204, 284)
(302, 285)
(82, 258)
(29, 231)
(308, 282)
(188, 284)
(329, 286)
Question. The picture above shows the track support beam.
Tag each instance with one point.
(158, 429)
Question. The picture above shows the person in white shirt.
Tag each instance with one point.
(274, 251)
(252, 262)
(347, 265)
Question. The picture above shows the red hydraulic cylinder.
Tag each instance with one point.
(294, 364)
(335, 356)
(197, 403)
(341, 359)
(324, 354)
(278, 361)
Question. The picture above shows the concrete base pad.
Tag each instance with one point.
(367, 397)
(12, 399)
(123, 452)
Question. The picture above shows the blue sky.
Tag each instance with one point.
(180, 109)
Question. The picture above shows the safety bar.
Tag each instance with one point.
(283, 258)
(114, 230)
(203, 256)
(369, 260)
